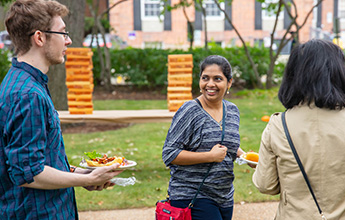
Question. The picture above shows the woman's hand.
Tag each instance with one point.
(218, 153)
(240, 152)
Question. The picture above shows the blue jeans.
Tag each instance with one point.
(205, 209)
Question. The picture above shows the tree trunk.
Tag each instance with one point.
(205, 23)
(269, 79)
(2, 18)
(285, 39)
(107, 74)
(105, 59)
(190, 29)
(191, 35)
(57, 74)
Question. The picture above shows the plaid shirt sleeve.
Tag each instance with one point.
(25, 151)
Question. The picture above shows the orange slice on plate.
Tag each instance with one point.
(252, 156)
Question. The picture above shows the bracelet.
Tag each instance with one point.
(72, 169)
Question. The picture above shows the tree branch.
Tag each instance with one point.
(111, 7)
(274, 29)
(256, 73)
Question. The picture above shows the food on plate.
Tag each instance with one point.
(100, 160)
(252, 156)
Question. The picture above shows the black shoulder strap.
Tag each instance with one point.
(300, 163)
(198, 101)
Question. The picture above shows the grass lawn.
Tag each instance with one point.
(143, 144)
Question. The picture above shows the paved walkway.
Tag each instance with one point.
(246, 211)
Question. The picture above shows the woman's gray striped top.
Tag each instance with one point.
(193, 129)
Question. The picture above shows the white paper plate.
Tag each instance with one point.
(130, 163)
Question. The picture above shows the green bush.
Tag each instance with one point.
(4, 64)
(148, 67)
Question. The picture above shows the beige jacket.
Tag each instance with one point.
(319, 138)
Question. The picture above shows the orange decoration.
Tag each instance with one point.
(180, 79)
(252, 156)
(265, 118)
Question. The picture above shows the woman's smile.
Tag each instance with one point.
(211, 92)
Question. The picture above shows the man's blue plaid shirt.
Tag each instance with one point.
(30, 138)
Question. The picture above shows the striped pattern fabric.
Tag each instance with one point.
(30, 138)
(193, 129)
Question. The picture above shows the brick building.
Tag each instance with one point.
(138, 22)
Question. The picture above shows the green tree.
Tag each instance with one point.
(198, 5)
(291, 32)
(183, 4)
(294, 27)
(256, 80)
(104, 55)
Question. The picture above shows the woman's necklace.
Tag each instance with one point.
(220, 124)
(215, 113)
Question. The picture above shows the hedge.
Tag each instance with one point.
(148, 67)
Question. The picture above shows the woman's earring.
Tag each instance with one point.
(200, 91)
(228, 92)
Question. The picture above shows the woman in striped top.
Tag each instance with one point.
(194, 142)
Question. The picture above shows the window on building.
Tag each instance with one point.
(212, 10)
(269, 15)
(341, 7)
(153, 44)
(314, 21)
(218, 43)
(269, 10)
(341, 15)
(151, 9)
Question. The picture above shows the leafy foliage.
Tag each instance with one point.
(148, 67)
(4, 63)
(4, 2)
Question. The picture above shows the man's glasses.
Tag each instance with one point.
(65, 34)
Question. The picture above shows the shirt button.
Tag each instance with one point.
(25, 163)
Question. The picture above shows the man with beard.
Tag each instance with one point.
(36, 179)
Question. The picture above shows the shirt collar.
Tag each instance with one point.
(36, 73)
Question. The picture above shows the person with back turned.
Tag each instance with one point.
(313, 93)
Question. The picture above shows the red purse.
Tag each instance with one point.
(164, 211)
